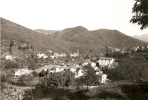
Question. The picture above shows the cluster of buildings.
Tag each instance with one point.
(140, 48)
(56, 55)
(78, 70)
(134, 48)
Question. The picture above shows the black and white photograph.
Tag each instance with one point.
(74, 49)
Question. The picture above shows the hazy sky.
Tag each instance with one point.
(61, 14)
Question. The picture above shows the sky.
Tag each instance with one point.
(61, 14)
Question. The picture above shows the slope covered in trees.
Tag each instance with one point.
(41, 42)
(68, 40)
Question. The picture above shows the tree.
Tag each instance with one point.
(42, 73)
(90, 78)
(60, 79)
(140, 10)
(132, 69)
(25, 80)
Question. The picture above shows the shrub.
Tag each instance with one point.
(60, 79)
(34, 73)
(3, 78)
(25, 80)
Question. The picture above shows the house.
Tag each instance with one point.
(97, 69)
(104, 61)
(21, 72)
(52, 70)
(135, 48)
(59, 69)
(75, 54)
(140, 48)
(40, 55)
(116, 50)
(45, 57)
(52, 57)
(79, 74)
(56, 55)
(8, 57)
(102, 77)
(90, 87)
(93, 64)
(73, 70)
(44, 68)
(62, 55)
(50, 51)
(99, 72)
(122, 51)
(86, 62)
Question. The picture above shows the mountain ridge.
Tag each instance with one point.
(143, 37)
(70, 39)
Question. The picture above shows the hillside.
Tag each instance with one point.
(40, 42)
(97, 40)
(143, 37)
(68, 40)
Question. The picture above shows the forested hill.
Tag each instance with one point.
(40, 42)
(68, 40)
(97, 39)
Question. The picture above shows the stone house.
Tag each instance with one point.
(105, 61)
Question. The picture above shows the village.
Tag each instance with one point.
(77, 69)
(25, 68)
(72, 63)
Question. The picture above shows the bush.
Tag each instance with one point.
(12, 80)
(34, 73)
(34, 81)
(3, 78)
(61, 79)
(10, 64)
(25, 80)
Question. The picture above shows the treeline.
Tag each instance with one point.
(31, 61)
(132, 68)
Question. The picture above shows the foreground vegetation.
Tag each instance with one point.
(113, 91)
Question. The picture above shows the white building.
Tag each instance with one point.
(73, 70)
(62, 55)
(8, 57)
(93, 64)
(42, 55)
(79, 74)
(86, 62)
(75, 54)
(56, 55)
(50, 51)
(102, 77)
(104, 61)
(23, 71)
(59, 69)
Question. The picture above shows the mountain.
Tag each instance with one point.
(143, 37)
(40, 42)
(68, 40)
(97, 39)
